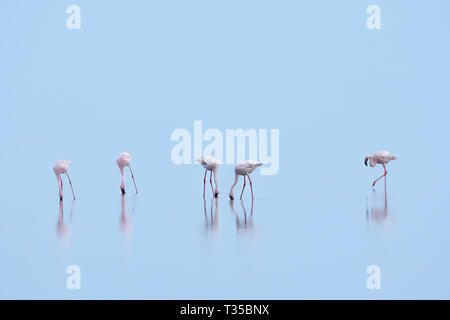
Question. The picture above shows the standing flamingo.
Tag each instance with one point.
(61, 166)
(380, 157)
(210, 164)
(124, 160)
(244, 169)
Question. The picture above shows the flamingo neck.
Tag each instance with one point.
(235, 182)
(215, 179)
(123, 177)
(373, 163)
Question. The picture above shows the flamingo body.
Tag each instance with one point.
(209, 163)
(246, 167)
(380, 157)
(124, 159)
(61, 166)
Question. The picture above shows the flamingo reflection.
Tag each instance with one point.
(212, 221)
(245, 223)
(126, 221)
(377, 209)
(63, 226)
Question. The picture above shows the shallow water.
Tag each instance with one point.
(287, 245)
(134, 73)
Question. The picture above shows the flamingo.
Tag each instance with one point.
(210, 164)
(244, 169)
(124, 160)
(61, 166)
(379, 157)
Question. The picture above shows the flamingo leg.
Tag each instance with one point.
(210, 181)
(204, 184)
(70, 182)
(251, 186)
(385, 173)
(243, 187)
(132, 176)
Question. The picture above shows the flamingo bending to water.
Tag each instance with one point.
(210, 164)
(124, 160)
(379, 157)
(61, 166)
(244, 169)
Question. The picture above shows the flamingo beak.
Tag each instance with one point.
(365, 161)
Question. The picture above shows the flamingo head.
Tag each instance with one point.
(367, 159)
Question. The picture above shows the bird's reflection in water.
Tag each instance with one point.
(378, 212)
(63, 226)
(211, 219)
(126, 221)
(244, 223)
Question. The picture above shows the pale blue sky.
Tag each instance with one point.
(137, 70)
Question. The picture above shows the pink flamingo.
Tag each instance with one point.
(124, 160)
(379, 157)
(210, 164)
(61, 166)
(244, 169)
